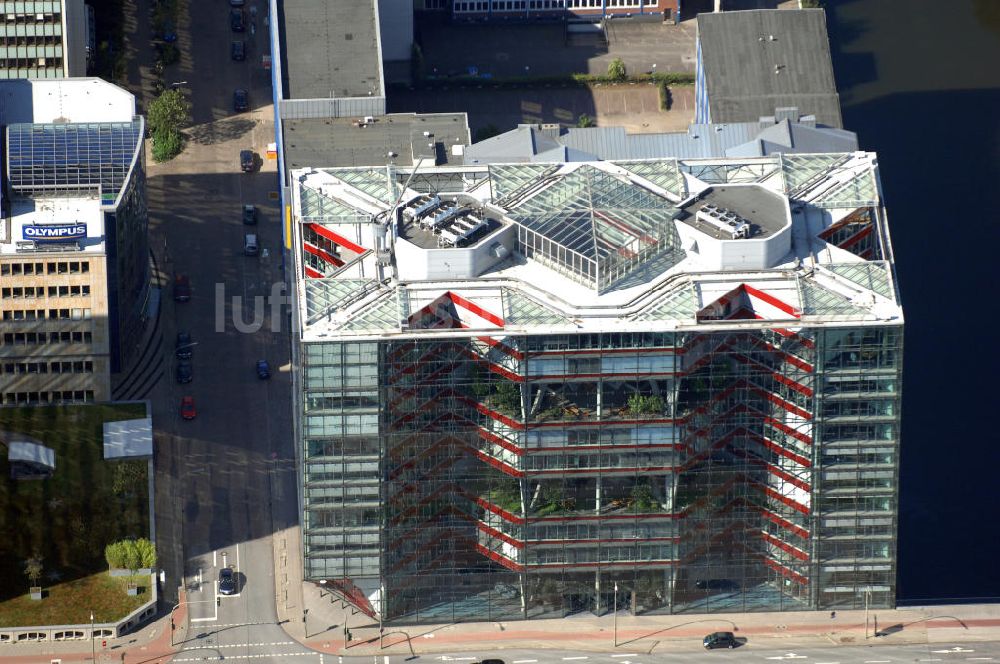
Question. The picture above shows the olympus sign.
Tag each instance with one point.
(54, 232)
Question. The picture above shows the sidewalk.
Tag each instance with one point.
(148, 645)
(645, 634)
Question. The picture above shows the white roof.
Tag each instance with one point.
(58, 211)
(64, 100)
(128, 438)
(817, 283)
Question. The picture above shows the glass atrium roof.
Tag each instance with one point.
(873, 275)
(599, 216)
(662, 172)
(317, 206)
(51, 156)
(372, 181)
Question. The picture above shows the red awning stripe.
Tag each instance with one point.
(336, 239)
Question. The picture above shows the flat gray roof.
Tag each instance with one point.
(331, 49)
(741, 50)
(331, 142)
(763, 209)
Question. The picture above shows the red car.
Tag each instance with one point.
(188, 411)
(182, 288)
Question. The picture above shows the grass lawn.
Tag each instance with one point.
(69, 518)
(70, 602)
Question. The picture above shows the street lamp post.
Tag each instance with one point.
(616, 614)
(93, 646)
(381, 611)
(868, 598)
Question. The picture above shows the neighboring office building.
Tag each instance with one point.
(501, 10)
(527, 385)
(44, 39)
(750, 63)
(74, 258)
(787, 133)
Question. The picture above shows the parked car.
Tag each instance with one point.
(183, 346)
(250, 246)
(247, 161)
(188, 411)
(249, 214)
(263, 370)
(720, 640)
(241, 101)
(239, 50)
(185, 372)
(182, 288)
(237, 21)
(227, 581)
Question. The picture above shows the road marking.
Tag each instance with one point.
(244, 645)
(827, 662)
(632, 655)
(878, 661)
(215, 559)
(229, 657)
(567, 659)
(979, 658)
(933, 659)
(951, 650)
(524, 661)
(789, 655)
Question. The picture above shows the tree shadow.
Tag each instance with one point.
(219, 132)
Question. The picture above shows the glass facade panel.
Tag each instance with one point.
(685, 468)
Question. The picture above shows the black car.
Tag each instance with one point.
(720, 640)
(239, 50)
(185, 372)
(241, 101)
(246, 161)
(183, 346)
(249, 214)
(236, 20)
(227, 581)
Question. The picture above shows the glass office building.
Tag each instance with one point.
(533, 390)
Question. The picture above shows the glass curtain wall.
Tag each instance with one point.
(498, 478)
(858, 466)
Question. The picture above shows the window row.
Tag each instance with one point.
(16, 292)
(51, 267)
(41, 338)
(54, 396)
(43, 314)
(76, 366)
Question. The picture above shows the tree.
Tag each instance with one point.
(170, 111)
(147, 553)
(33, 568)
(584, 121)
(616, 69)
(167, 144)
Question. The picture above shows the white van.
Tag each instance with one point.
(250, 247)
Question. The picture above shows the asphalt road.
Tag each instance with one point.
(225, 480)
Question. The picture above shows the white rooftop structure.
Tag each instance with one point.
(39, 221)
(128, 439)
(64, 100)
(608, 246)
